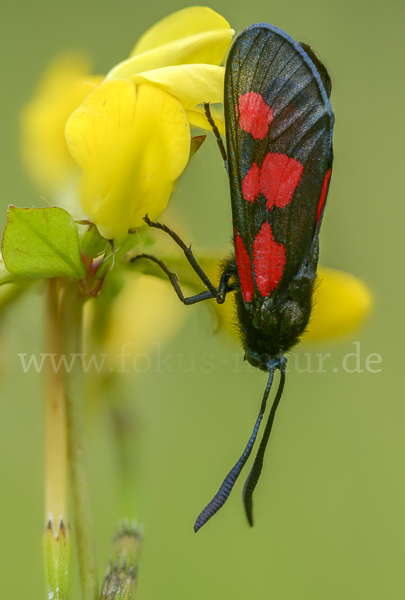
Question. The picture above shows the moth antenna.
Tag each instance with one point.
(256, 469)
(223, 493)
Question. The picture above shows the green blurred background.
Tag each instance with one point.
(330, 519)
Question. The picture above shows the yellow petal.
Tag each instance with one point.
(65, 85)
(132, 143)
(197, 118)
(342, 302)
(183, 23)
(107, 113)
(191, 84)
(209, 47)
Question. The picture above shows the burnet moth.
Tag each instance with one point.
(279, 158)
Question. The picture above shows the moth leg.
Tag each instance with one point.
(174, 280)
(224, 286)
(217, 134)
(218, 294)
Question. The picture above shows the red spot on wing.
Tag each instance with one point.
(250, 185)
(255, 115)
(277, 180)
(323, 194)
(269, 260)
(279, 177)
(244, 268)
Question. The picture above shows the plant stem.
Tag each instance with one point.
(71, 314)
(56, 535)
(55, 442)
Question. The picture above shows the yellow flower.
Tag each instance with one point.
(131, 136)
(182, 54)
(342, 302)
(64, 86)
(132, 142)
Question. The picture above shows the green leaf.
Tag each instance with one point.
(41, 242)
(6, 276)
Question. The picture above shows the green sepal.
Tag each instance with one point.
(41, 243)
(195, 144)
(92, 243)
(121, 577)
(115, 253)
(57, 561)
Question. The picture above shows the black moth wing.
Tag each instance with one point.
(320, 67)
(266, 61)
